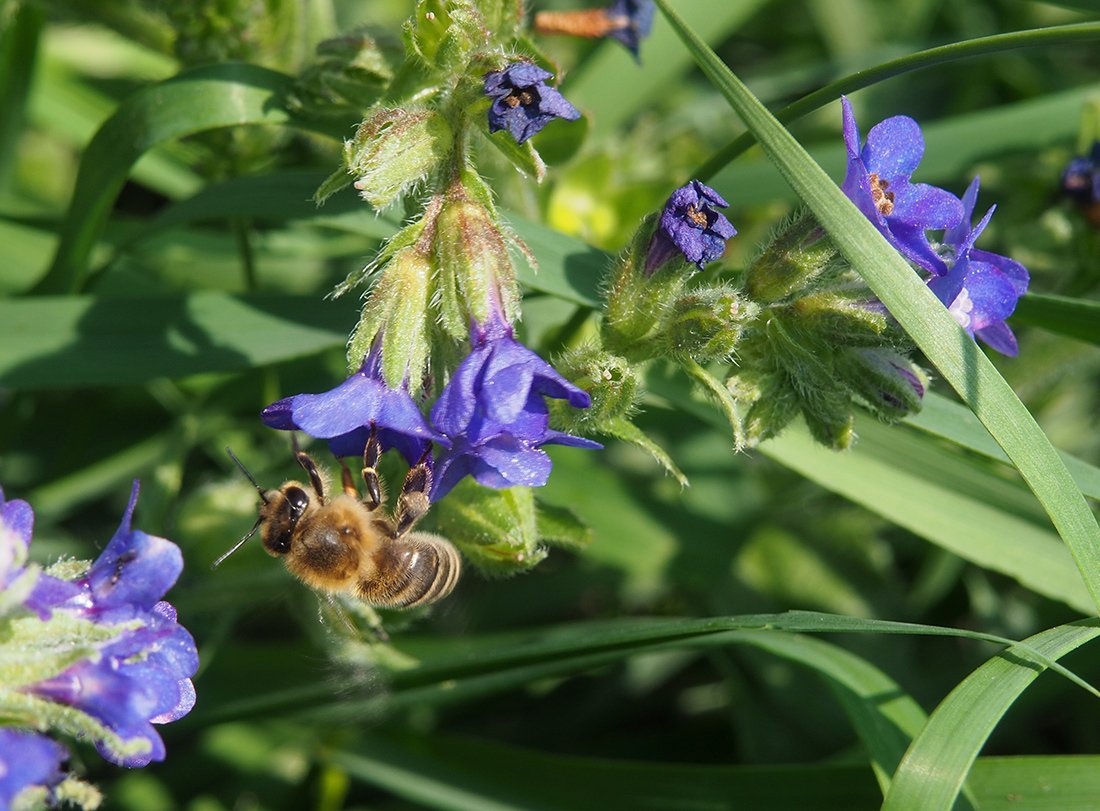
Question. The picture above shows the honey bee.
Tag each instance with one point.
(347, 544)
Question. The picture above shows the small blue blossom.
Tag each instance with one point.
(522, 101)
(630, 21)
(28, 761)
(344, 415)
(494, 414)
(981, 288)
(877, 181)
(690, 226)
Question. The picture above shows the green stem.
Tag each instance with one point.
(720, 393)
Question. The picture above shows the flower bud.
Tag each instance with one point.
(795, 255)
(476, 274)
(841, 321)
(889, 384)
(610, 381)
(395, 149)
(445, 33)
(637, 300)
(706, 324)
(397, 308)
(496, 530)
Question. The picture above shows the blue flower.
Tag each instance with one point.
(25, 587)
(630, 21)
(141, 674)
(690, 226)
(494, 414)
(522, 101)
(28, 761)
(140, 679)
(345, 414)
(981, 288)
(877, 181)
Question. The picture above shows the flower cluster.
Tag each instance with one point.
(979, 288)
(91, 651)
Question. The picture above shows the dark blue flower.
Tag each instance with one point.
(877, 181)
(690, 226)
(522, 101)
(981, 288)
(494, 414)
(630, 21)
(28, 761)
(345, 414)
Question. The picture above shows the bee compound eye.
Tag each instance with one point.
(297, 500)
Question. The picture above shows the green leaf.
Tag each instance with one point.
(69, 342)
(205, 98)
(954, 354)
(932, 772)
(560, 526)
(943, 418)
(1073, 317)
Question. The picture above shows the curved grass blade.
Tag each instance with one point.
(953, 352)
(1033, 38)
(1072, 317)
(933, 770)
(205, 98)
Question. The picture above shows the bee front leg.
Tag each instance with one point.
(371, 453)
(413, 502)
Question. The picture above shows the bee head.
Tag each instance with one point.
(280, 514)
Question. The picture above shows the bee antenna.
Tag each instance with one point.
(251, 478)
(239, 543)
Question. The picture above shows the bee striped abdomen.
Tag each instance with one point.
(416, 570)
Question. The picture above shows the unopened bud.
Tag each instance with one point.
(496, 530)
(609, 379)
(637, 300)
(797, 253)
(397, 309)
(707, 323)
(888, 383)
(476, 274)
(395, 149)
(839, 320)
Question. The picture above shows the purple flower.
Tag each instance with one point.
(33, 590)
(142, 674)
(140, 679)
(522, 101)
(631, 21)
(493, 412)
(345, 414)
(27, 761)
(981, 288)
(877, 181)
(690, 226)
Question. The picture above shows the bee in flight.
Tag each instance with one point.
(345, 544)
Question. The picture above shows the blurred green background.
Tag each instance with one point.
(203, 301)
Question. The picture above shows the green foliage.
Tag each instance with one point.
(798, 628)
